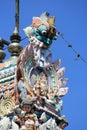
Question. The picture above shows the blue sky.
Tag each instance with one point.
(71, 20)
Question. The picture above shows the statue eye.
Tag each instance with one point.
(44, 32)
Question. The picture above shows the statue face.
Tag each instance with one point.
(27, 108)
(44, 34)
(43, 29)
(29, 124)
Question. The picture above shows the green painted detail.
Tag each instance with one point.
(7, 79)
(6, 67)
(9, 63)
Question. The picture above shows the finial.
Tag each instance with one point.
(15, 47)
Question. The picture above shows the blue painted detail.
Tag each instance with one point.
(28, 67)
(58, 107)
(32, 31)
(22, 89)
(52, 76)
(41, 34)
(42, 27)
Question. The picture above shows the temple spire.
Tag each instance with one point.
(15, 47)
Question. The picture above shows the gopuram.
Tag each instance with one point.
(31, 84)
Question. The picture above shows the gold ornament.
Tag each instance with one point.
(7, 106)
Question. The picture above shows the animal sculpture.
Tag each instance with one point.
(31, 86)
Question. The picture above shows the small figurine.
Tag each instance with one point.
(5, 123)
(24, 90)
(27, 106)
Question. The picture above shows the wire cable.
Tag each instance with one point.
(23, 38)
(70, 46)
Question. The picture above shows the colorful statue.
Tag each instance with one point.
(39, 85)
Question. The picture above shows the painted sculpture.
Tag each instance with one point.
(31, 86)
